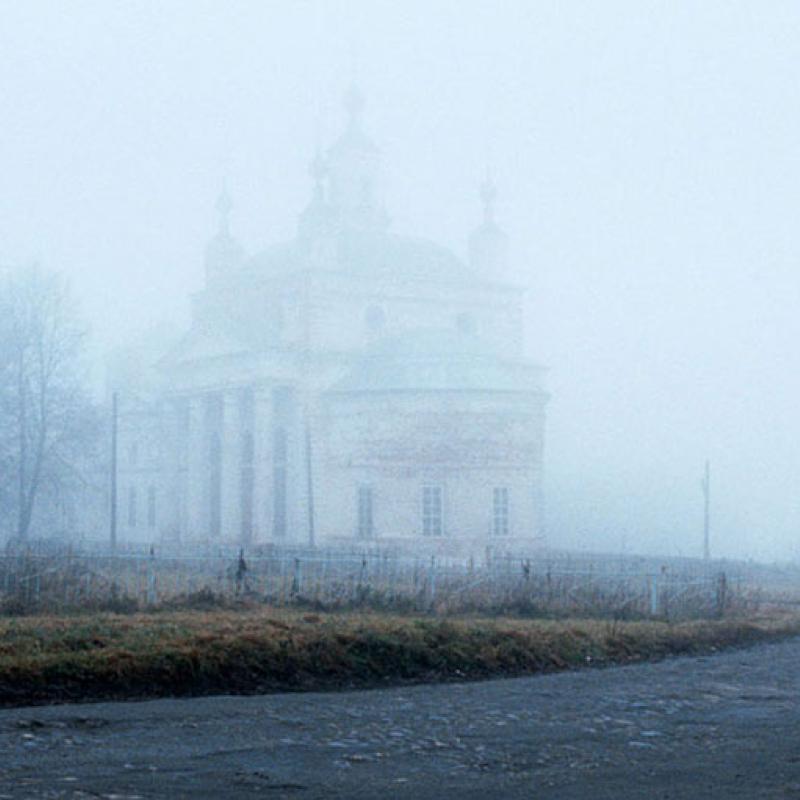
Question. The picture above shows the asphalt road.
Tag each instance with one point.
(724, 726)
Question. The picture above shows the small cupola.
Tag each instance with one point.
(488, 245)
(224, 254)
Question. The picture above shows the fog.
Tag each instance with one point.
(648, 170)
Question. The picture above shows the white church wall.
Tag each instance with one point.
(398, 444)
(296, 318)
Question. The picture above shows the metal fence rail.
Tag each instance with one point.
(383, 580)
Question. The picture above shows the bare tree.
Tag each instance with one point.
(44, 406)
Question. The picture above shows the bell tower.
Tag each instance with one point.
(353, 166)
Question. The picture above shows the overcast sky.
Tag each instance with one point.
(647, 156)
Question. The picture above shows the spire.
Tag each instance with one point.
(315, 221)
(223, 253)
(488, 244)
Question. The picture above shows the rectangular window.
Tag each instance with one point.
(432, 511)
(151, 507)
(132, 507)
(365, 526)
(500, 512)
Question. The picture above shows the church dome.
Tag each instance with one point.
(434, 360)
(365, 253)
(400, 256)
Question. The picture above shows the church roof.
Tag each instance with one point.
(368, 253)
(344, 228)
(200, 344)
(398, 255)
(438, 360)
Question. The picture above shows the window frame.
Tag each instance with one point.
(432, 512)
(365, 511)
(501, 511)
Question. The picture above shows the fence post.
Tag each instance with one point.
(722, 592)
(151, 579)
(360, 590)
(654, 595)
(296, 578)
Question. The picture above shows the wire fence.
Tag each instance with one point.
(35, 581)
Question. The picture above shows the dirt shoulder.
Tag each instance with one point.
(191, 653)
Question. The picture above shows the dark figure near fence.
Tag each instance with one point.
(241, 574)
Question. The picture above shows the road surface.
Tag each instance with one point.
(724, 726)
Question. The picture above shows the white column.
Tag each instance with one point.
(231, 467)
(305, 449)
(197, 473)
(171, 497)
(296, 507)
(262, 464)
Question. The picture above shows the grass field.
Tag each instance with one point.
(194, 652)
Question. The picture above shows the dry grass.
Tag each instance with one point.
(49, 659)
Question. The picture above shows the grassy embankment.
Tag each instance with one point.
(80, 657)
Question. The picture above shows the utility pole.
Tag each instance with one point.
(114, 415)
(706, 485)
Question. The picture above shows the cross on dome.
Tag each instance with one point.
(488, 244)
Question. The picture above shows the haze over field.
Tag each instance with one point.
(648, 164)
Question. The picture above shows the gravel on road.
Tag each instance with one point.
(721, 726)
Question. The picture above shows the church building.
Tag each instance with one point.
(349, 385)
